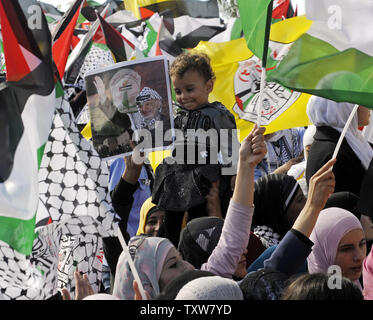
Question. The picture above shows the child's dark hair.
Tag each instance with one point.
(199, 62)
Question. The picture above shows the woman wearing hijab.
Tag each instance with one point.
(355, 153)
(278, 200)
(158, 262)
(338, 239)
(151, 218)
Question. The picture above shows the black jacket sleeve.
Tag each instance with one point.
(122, 200)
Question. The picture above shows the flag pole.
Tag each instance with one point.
(347, 125)
(260, 100)
(131, 264)
(264, 63)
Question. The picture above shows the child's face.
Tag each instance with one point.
(192, 90)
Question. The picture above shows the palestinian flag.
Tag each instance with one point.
(63, 36)
(282, 9)
(120, 47)
(333, 58)
(238, 74)
(177, 34)
(256, 19)
(93, 38)
(27, 109)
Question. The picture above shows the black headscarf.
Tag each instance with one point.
(199, 238)
(345, 200)
(272, 197)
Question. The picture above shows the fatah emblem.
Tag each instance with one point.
(276, 99)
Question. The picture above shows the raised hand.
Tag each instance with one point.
(253, 147)
(100, 87)
(133, 164)
(321, 186)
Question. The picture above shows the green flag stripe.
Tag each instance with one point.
(236, 32)
(40, 153)
(59, 90)
(253, 15)
(316, 67)
(150, 39)
(18, 233)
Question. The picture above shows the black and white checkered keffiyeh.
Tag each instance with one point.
(267, 236)
(147, 94)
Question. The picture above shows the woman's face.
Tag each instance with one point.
(351, 253)
(174, 266)
(153, 223)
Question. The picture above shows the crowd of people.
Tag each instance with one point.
(292, 223)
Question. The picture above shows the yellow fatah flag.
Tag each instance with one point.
(133, 6)
(238, 74)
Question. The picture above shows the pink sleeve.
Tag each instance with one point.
(233, 241)
(368, 276)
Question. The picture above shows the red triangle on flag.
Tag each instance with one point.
(61, 47)
(145, 13)
(17, 64)
(281, 10)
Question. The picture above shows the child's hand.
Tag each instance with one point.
(253, 147)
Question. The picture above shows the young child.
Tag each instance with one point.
(182, 185)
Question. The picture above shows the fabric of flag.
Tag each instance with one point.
(237, 82)
(27, 110)
(73, 192)
(120, 47)
(333, 59)
(63, 35)
(256, 23)
(51, 13)
(28, 105)
(192, 8)
(282, 9)
(178, 34)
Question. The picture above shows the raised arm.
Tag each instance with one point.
(236, 230)
(290, 255)
(321, 186)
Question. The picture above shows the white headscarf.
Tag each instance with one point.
(308, 137)
(324, 112)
